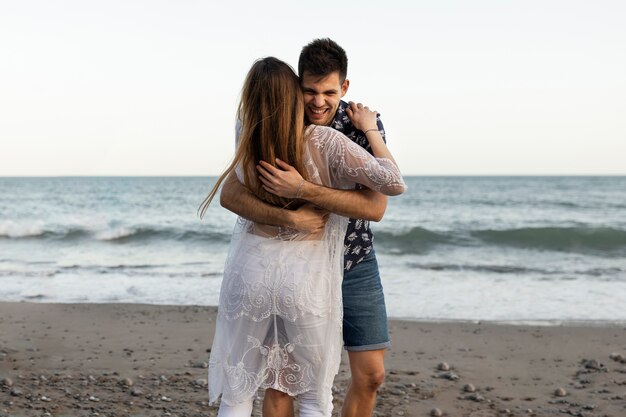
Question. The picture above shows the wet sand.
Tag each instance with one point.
(146, 360)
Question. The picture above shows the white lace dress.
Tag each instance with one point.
(280, 312)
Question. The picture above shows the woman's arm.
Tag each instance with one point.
(348, 162)
(351, 163)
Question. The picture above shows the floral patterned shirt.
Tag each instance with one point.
(359, 238)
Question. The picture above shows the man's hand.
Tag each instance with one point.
(285, 182)
(362, 117)
(308, 218)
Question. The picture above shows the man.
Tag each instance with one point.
(322, 68)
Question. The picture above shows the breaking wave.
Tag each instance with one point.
(590, 240)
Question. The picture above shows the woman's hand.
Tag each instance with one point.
(285, 182)
(362, 117)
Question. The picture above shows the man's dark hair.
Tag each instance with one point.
(322, 57)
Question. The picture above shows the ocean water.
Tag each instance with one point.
(513, 249)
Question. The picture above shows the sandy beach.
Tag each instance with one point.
(148, 360)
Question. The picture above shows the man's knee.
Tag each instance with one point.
(370, 381)
(368, 369)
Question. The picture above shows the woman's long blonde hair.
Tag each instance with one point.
(271, 112)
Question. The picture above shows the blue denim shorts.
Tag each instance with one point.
(364, 312)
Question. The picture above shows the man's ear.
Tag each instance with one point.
(344, 87)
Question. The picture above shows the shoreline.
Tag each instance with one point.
(144, 359)
(505, 322)
(520, 322)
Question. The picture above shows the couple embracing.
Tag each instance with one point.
(301, 279)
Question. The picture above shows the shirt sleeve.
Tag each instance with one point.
(348, 163)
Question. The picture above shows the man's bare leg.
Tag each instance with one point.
(277, 404)
(368, 373)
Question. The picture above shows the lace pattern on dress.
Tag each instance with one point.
(280, 311)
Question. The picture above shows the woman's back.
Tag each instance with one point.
(334, 161)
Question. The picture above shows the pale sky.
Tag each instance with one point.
(464, 87)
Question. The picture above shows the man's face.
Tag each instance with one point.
(321, 96)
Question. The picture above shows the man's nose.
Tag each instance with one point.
(318, 100)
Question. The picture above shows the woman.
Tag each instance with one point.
(279, 316)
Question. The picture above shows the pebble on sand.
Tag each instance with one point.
(200, 382)
(200, 364)
(591, 364)
(469, 388)
(435, 412)
(560, 392)
(475, 397)
(7, 382)
(127, 381)
(443, 366)
(450, 376)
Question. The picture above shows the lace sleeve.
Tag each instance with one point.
(348, 163)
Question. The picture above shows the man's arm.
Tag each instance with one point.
(363, 204)
(358, 204)
(286, 181)
(237, 198)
